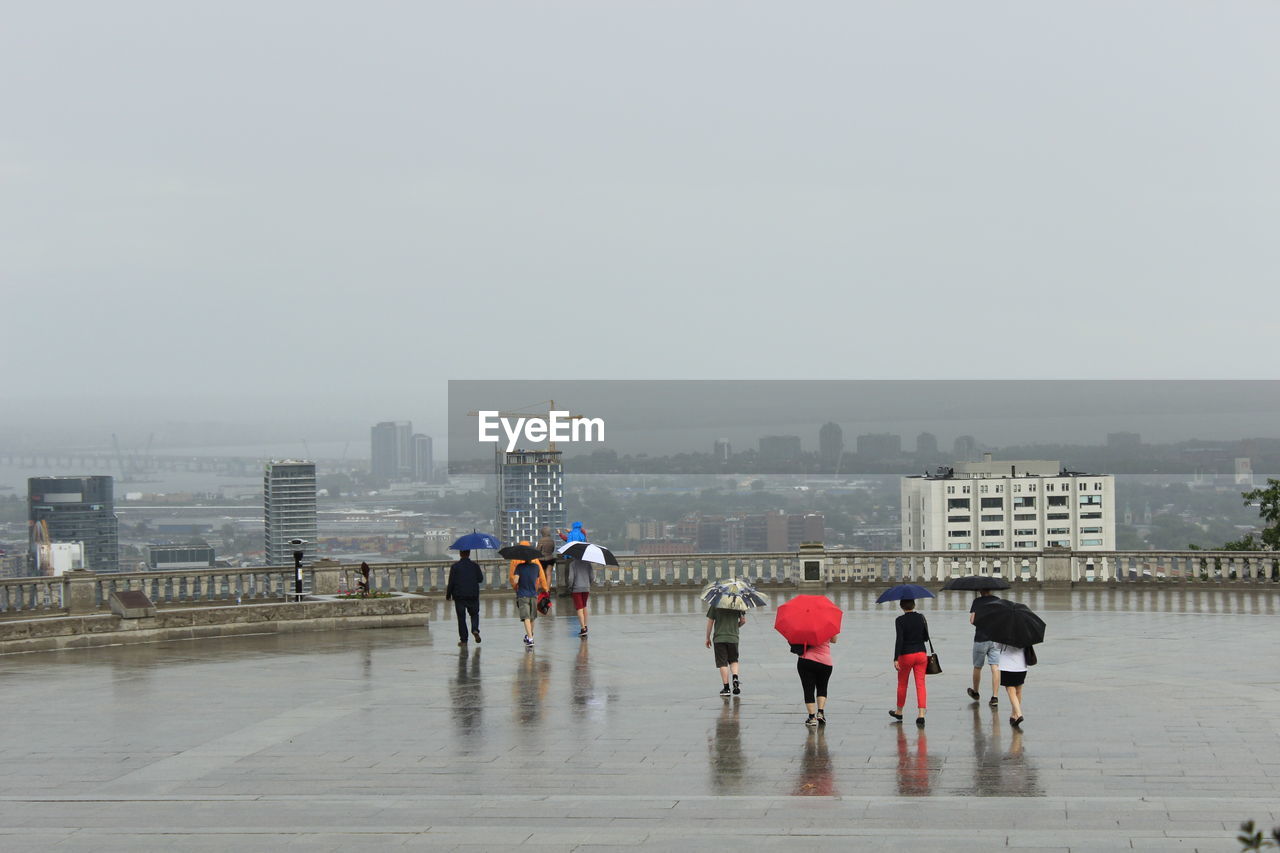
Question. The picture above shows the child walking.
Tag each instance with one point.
(722, 636)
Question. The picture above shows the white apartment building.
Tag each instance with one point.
(1008, 506)
(288, 509)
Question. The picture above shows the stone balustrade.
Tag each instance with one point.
(83, 592)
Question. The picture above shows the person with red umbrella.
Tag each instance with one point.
(811, 624)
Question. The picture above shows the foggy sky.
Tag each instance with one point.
(328, 209)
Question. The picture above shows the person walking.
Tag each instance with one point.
(814, 666)
(547, 545)
(984, 654)
(579, 579)
(1013, 674)
(909, 657)
(722, 636)
(463, 588)
(527, 578)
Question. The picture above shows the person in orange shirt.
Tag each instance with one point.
(527, 579)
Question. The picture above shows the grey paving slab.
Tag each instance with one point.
(1136, 736)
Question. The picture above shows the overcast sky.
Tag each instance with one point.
(355, 202)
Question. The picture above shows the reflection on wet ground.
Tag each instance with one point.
(1128, 700)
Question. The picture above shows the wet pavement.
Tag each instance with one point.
(1151, 722)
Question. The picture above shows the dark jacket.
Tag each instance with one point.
(465, 577)
(913, 633)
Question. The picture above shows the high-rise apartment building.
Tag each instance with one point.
(1008, 506)
(391, 450)
(830, 445)
(530, 494)
(423, 459)
(75, 509)
(288, 508)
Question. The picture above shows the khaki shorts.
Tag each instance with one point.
(527, 607)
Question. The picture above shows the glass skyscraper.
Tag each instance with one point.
(77, 509)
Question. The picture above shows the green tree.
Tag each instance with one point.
(1269, 511)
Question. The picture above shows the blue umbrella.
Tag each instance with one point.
(475, 541)
(903, 590)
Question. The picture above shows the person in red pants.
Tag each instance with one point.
(909, 657)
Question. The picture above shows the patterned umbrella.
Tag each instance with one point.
(733, 594)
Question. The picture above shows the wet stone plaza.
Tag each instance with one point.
(1151, 723)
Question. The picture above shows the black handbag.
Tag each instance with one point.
(1030, 654)
(933, 666)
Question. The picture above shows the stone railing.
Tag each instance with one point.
(84, 592)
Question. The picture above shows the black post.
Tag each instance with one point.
(297, 572)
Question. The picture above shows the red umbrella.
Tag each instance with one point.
(808, 620)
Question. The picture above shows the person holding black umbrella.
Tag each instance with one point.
(1015, 629)
(1013, 674)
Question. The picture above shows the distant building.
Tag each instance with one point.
(926, 445)
(391, 446)
(193, 555)
(1008, 506)
(722, 450)
(530, 494)
(964, 449)
(880, 446)
(423, 459)
(780, 448)
(74, 509)
(1124, 440)
(1244, 471)
(830, 445)
(288, 508)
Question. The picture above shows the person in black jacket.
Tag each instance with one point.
(463, 589)
(909, 656)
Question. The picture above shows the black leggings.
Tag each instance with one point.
(813, 677)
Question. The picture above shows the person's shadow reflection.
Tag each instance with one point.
(466, 694)
(582, 685)
(530, 688)
(913, 766)
(816, 777)
(997, 773)
(724, 752)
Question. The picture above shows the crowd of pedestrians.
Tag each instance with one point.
(531, 580)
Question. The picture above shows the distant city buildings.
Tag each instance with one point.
(1124, 440)
(391, 450)
(780, 448)
(193, 555)
(711, 534)
(926, 445)
(879, 446)
(722, 450)
(288, 508)
(964, 448)
(72, 510)
(1008, 506)
(530, 493)
(830, 445)
(423, 459)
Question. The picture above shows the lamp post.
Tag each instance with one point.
(297, 564)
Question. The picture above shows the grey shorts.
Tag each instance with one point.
(985, 654)
(527, 607)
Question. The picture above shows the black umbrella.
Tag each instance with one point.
(520, 552)
(976, 583)
(1008, 622)
(589, 553)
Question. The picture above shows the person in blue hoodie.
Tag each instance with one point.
(575, 534)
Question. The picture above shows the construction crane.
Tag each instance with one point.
(551, 407)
